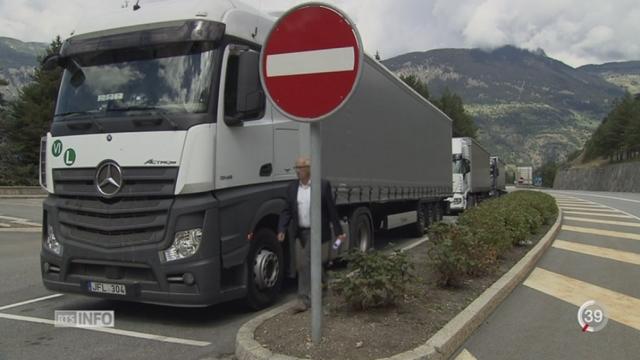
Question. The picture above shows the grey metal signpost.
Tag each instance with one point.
(308, 74)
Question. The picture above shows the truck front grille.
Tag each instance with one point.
(137, 215)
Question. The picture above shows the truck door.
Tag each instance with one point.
(244, 147)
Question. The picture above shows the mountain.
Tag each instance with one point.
(624, 74)
(529, 107)
(17, 61)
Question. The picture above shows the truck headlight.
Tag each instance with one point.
(51, 243)
(185, 244)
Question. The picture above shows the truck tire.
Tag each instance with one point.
(266, 269)
(361, 229)
(419, 227)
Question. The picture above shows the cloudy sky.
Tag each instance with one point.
(574, 31)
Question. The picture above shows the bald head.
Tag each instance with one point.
(303, 169)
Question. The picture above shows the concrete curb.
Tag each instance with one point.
(446, 341)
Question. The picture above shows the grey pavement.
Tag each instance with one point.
(24, 339)
(539, 319)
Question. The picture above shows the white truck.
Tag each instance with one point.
(471, 174)
(524, 175)
(166, 168)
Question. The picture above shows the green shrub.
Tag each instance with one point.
(456, 252)
(483, 233)
(377, 279)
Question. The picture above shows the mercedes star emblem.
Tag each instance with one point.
(109, 179)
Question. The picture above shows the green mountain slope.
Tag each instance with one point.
(530, 108)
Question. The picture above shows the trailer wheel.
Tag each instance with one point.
(421, 224)
(266, 269)
(361, 229)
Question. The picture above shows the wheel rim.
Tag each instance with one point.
(266, 269)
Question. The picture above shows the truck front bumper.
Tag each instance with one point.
(141, 269)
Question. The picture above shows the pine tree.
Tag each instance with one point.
(26, 120)
(451, 104)
(416, 84)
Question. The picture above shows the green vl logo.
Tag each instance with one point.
(56, 148)
(69, 157)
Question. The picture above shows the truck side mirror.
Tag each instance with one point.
(51, 62)
(249, 99)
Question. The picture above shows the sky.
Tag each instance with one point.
(576, 32)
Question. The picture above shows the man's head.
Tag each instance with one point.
(303, 169)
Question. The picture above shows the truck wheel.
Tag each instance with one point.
(419, 227)
(437, 213)
(360, 229)
(266, 269)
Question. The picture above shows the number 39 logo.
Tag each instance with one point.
(592, 317)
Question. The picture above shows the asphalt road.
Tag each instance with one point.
(141, 331)
(596, 256)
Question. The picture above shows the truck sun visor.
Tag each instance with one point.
(131, 37)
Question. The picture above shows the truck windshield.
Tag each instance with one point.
(175, 78)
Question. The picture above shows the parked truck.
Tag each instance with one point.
(524, 175)
(471, 173)
(166, 168)
(498, 176)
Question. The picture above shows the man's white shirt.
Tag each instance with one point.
(304, 205)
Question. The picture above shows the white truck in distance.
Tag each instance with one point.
(524, 175)
(166, 168)
(471, 174)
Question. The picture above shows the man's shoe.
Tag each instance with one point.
(299, 307)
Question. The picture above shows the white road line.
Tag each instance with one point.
(616, 234)
(599, 221)
(598, 251)
(112, 331)
(311, 62)
(418, 242)
(465, 355)
(19, 221)
(30, 301)
(27, 230)
(609, 197)
(622, 216)
(610, 210)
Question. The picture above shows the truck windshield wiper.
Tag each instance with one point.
(90, 116)
(154, 111)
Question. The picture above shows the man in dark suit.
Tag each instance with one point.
(297, 214)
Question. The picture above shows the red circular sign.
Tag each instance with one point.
(311, 61)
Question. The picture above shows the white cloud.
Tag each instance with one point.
(574, 31)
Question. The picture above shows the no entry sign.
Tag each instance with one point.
(311, 62)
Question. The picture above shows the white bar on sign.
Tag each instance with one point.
(311, 62)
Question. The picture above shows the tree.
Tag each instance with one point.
(26, 120)
(548, 173)
(416, 84)
(451, 104)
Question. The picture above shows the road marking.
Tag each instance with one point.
(609, 197)
(19, 221)
(30, 301)
(588, 209)
(585, 206)
(593, 231)
(311, 62)
(603, 252)
(598, 221)
(27, 230)
(113, 331)
(620, 307)
(465, 355)
(565, 203)
(598, 214)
